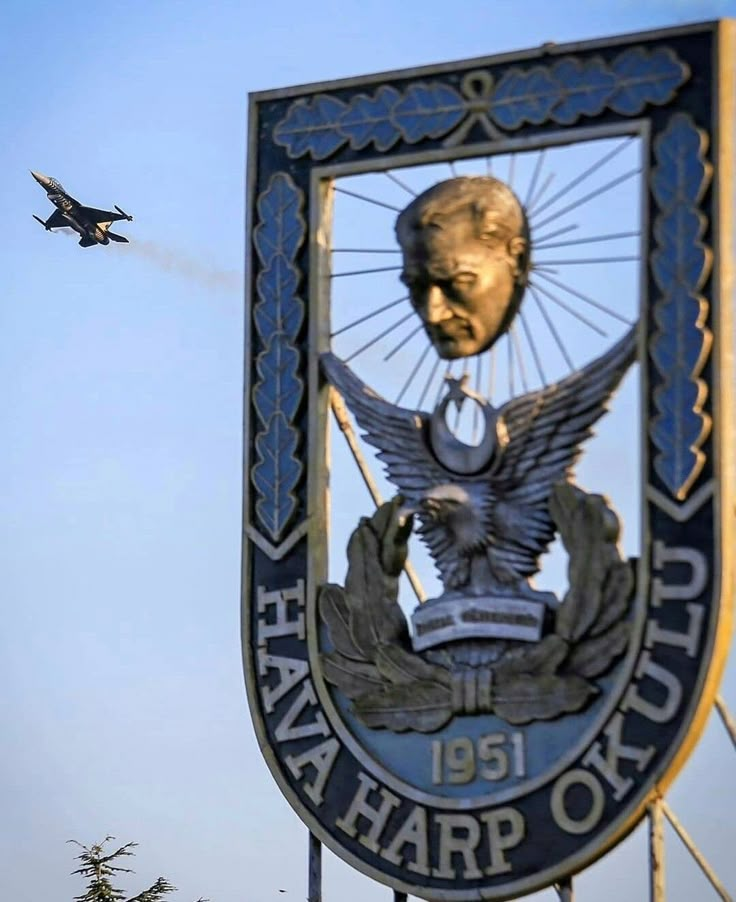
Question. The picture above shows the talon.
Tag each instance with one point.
(405, 514)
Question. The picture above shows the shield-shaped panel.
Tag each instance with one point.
(488, 471)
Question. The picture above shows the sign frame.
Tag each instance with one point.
(299, 139)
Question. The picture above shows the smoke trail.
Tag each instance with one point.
(173, 261)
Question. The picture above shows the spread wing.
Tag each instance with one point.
(546, 429)
(399, 434)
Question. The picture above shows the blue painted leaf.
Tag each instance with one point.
(681, 340)
(682, 173)
(643, 77)
(277, 317)
(281, 227)
(369, 119)
(524, 96)
(681, 258)
(586, 88)
(278, 309)
(678, 183)
(279, 388)
(428, 111)
(680, 266)
(678, 431)
(275, 475)
(312, 127)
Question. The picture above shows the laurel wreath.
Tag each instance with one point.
(392, 687)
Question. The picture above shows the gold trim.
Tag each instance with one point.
(318, 469)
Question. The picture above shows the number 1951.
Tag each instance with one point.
(494, 756)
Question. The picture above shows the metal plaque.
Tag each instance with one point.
(488, 475)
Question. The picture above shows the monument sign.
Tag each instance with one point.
(495, 738)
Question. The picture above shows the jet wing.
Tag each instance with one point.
(92, 214)
(57, 220)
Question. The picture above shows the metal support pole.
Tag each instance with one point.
(342, 419)
(400, 897)
(728, 722)
(315, 869)
(695, 852)
(565, 890)
(656, 852)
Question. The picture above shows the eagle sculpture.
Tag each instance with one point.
(486, 530)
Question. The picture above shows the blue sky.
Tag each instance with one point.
(123, 709)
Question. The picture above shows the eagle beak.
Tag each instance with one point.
(430, 506)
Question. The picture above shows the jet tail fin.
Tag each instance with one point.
(113, 237)
(38, 219)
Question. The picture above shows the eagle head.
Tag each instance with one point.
(454, 508)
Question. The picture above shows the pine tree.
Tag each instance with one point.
(97, 866)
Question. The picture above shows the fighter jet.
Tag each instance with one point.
(92, 224)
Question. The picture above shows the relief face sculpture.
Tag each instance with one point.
(465, 250)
